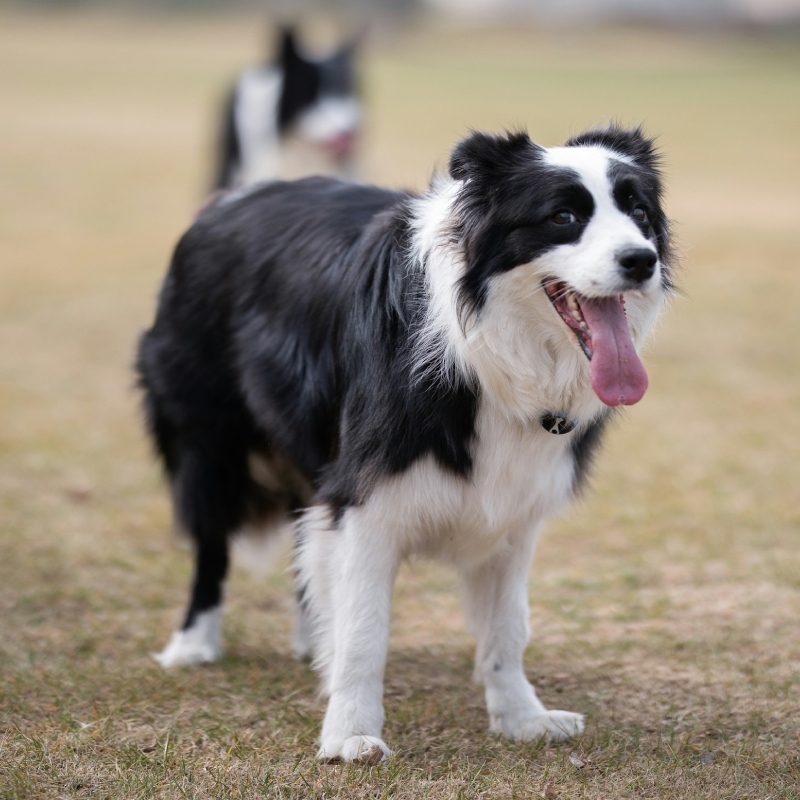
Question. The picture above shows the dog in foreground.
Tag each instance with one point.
(404, 374)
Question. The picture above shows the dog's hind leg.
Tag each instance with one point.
(303, 638)
(209, 485)
(496, 605)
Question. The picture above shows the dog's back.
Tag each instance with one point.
(241, 355)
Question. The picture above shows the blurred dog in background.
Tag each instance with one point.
(295, 116)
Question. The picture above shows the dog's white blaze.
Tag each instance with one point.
(590, 265)
(202, 642)
(256, 115)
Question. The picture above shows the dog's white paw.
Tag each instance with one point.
(367, 750)
(183, 650)
(202, 643)
(552, 726)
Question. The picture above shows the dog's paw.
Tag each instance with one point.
(183, 649)
(552, 726)
(197, 644)
(367, 750)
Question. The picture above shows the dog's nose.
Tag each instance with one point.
(638, 263)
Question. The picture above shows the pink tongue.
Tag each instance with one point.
(618, 376)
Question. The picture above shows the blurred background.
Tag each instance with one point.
(665, 604)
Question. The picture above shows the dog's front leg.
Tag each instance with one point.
(362, 570)
(496, 604)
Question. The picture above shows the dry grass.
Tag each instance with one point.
(666, 605)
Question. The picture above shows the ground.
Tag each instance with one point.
(665, 605)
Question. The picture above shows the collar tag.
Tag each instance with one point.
(557, 422)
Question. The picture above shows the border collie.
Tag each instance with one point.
(296, 115)
(405, 374)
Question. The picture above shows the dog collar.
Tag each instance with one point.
(557, 422)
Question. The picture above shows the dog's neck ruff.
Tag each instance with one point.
(515, 348)
(522, 368)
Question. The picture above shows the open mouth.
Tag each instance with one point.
(601, 327)
(565, 301)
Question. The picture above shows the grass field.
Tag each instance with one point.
(666, 605)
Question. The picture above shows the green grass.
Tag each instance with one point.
(665, 605)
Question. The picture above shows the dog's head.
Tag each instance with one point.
(319, 99)
(584, 226)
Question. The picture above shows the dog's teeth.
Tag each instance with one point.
(572, 303)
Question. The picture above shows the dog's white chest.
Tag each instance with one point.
(521, 474)
(519, 471)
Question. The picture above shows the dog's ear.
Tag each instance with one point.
(288, 52)
(631, 142)
(482, 153)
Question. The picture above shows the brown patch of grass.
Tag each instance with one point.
(665, 605)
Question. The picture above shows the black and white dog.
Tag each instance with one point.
(406, 374)
(296, 116)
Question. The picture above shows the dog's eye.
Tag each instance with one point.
(564, 218)
(639, 214)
